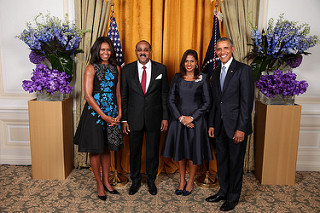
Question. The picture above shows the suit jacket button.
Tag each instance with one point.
(221, 102)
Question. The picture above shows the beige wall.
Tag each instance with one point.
(304, 12)
(14, 68)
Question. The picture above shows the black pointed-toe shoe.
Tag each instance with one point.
(227, 206)
(186, 193)
(111, 192)
(104, 197)
(215, 198)
(180, 191)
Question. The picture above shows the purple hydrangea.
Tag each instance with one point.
(49, 80)
(295, 62)
(35, 58)
(281, 84)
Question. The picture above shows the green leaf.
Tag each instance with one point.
(256, 67)
(62, 62)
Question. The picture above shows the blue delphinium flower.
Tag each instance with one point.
(282, 44)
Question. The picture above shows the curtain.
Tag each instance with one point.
(93, 16)
(237, 15)
(171, 27)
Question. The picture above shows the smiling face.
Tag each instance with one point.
(224, 51)
(143, 52)
(105, 53)
(190, 63)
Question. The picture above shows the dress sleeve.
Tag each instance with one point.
(172, 98)
(206, 97)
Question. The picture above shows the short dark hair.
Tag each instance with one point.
(183, 60)
(145, 42)
(95, 50)
(225, 39)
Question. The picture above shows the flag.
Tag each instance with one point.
(211, 61)
(113, 34)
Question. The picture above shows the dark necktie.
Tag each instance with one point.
(144, 79)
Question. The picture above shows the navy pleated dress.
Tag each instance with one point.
(189, 98)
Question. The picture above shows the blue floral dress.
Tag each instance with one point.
(93, 134)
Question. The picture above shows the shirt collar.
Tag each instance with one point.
(148, 65)
(227, 65)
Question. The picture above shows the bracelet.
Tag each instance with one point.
(181, 119)
(192, 118)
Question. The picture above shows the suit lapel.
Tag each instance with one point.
(136, 77)
(217, 78)
(229, 75)
(154, 72)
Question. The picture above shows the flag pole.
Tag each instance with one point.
(116, 179)
(208, 180)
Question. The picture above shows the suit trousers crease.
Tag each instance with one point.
(152, 154)
(230, 161)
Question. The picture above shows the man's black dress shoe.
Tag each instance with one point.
(152, 188)
(134, 189)
(111, 192)
(227, 206)
(215, 198)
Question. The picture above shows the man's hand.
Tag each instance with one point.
(211, 132)
(164, 125)
(238, 136)
(125, 128)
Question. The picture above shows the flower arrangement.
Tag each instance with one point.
(284, 84)
(281, 45)
(56, 42)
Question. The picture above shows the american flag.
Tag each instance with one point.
(113, 34)
(211, 61)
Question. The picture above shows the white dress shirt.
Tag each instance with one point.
(227, 65)
(148, 70)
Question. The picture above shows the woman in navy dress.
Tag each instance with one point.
(187, 140)
(99, 131)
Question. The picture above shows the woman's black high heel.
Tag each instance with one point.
(180, 191)
(104, 197)
(111, 192)
(185, 192)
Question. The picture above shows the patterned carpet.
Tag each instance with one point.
(20, 193)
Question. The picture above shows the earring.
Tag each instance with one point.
(197, 66)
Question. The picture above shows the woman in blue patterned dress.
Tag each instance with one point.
(98, 131)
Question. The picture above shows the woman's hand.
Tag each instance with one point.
(111, 121)
(191, 125)
(187, 120)
(118, 118)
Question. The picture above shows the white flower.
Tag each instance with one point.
(199, 78)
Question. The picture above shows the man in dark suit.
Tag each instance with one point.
(230, 122)
(144, 112)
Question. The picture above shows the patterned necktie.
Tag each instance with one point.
(144, 79)
(223, 76)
